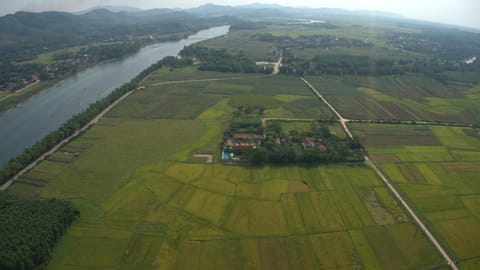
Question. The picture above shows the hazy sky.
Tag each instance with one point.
(458, 12)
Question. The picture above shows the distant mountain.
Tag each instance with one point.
(115, 9)
(212, 10)
(25, 34)
(275, 10)
(261, 6)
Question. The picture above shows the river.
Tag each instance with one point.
(32, 120)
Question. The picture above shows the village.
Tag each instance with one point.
(248, 140)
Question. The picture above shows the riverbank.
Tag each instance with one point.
(50, 118)
(12, 100)
(32, 165)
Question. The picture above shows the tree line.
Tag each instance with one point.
(222, 61)
(29, 229)
(368, 66)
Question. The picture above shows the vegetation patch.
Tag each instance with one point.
(30, 229)
(272, 145)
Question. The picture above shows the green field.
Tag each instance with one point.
(146, 204)
(437, 168)
(406, 97)
(280, 95)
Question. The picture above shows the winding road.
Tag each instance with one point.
(387, 182)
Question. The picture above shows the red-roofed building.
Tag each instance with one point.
(308, 143)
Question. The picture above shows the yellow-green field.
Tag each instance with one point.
(439, 176)
(146, 205)
(403, 97)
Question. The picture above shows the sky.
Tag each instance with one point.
(456, 12)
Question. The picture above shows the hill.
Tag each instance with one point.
(25, 34)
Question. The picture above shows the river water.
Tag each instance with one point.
(21, 127)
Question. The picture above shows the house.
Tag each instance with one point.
(243, 146)
(308, 143)
(322, 148)
(251, 137)
(228, 143)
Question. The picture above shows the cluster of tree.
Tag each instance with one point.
(312, 41)
(249, 111)
(99, 53)
(19, 162)
(29, 228)
(14, 77)
(280, 148)
(222, 61)
(442, 42)
(246, 25)
(368, 66)
(176, 62)
(245, 125)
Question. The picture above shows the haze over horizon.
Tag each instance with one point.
(455, 12)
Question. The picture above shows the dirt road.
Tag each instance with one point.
(389, 185)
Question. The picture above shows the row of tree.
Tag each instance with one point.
(367, 66)
(311, 41)
(100, 53)
(19, 162)
(29, 228)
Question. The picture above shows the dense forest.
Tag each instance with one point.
(29, 228)
(222, 61)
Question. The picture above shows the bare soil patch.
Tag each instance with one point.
(297, 187)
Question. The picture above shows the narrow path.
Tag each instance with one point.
(207, 80)
(276, 70)
(19, 91)
(343, 121)
(410, 122)
(208, 157)
(276, 67)
(387, 182)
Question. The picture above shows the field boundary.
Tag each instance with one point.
(389, 185)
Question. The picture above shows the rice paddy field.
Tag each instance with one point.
(146, 204)
(437, 168)
(282, 96)
(406, 97)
